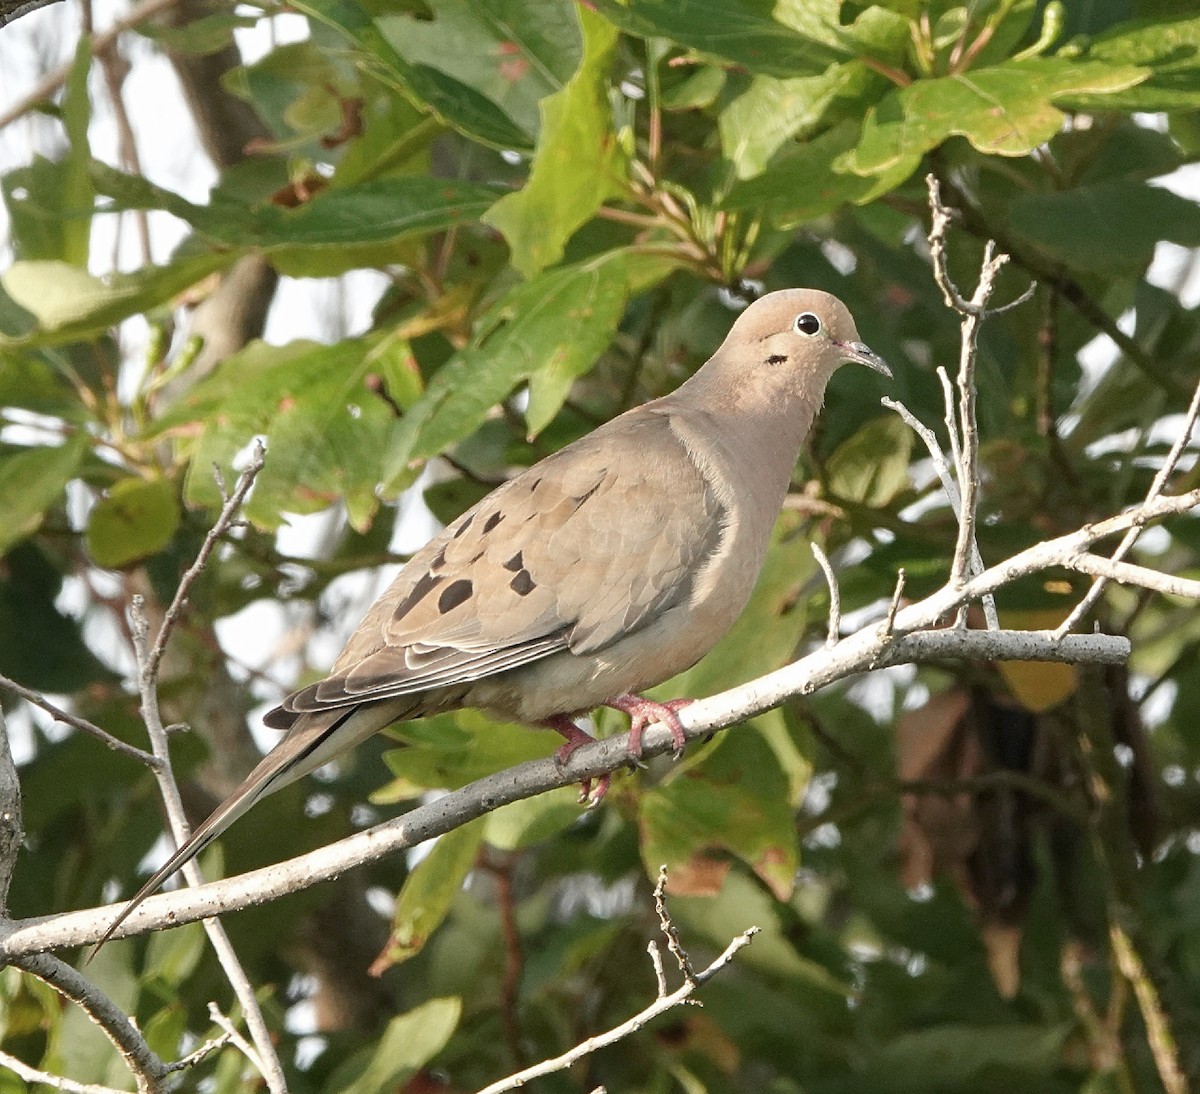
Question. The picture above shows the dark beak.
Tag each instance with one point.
(864, 355)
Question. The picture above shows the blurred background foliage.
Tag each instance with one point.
(565, 202)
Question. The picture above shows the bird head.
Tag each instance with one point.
(803, 334)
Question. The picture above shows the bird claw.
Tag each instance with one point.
(644, 712)
(575, 737)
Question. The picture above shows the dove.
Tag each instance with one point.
(598, 572)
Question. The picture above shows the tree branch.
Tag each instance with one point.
(148, 1070)
(149, 658)
(692, 981)
(1156, 488)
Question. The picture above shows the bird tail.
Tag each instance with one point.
(313, 740)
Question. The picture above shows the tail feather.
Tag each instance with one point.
(313, 740)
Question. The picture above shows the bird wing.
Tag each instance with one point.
(574, 553)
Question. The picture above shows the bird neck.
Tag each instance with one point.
(749, 436)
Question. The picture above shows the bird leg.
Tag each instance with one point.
(575, 737)
(643, 712)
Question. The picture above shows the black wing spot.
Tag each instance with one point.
(454, 594)
(439, 561)
(491, 522)
(776, 359)
(464, 526)
(580, 500)
(523, 584)
(515, 563)
(419, 590)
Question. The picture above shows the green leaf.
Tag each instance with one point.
(741, 31)
(197, 36)
(377, 211)
(430, 889)
(1170, 48)
(545, 33)
(450, 750)
(521, 824)
(31, 480)
(1112, 226)
(734, 801)
(31, 624)
(560, 321)
(136, 518)
(578, 163)
(70, 304)
(30, 380)
(451, 101)
(772, 111)
(962, 1056)
(514, 52)
(806, 183)
(327, 428)
(871, 467)
(1007, 110)
(407, 1045)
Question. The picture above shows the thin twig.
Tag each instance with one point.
(225, 520)
(236, 1039)
(60, 715)
(1156, 488)
(205, 1050)
(149, 659)
(662, 1002)
(1126, 573)
(835, 596)
(670, 931)
(942, 466)
(973, 312)
(1158, 1029)
(889, 624)
(68, 1086)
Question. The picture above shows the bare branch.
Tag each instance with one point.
(205, 1050)
(149, 659)
(851, 656)
(889, 624)
(69, 1086)
(12, 835)
(11, 10)
(149, 1071)
(670, 931)
(835, 596)
(662, 1003)
(237, 1040)
(1126, 573)
(60, 715)
(947, 477)
(224, 521)
(1155, 491)
(1158, 1029)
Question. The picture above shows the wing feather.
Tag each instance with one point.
(574, 553)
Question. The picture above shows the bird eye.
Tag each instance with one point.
(807, 323)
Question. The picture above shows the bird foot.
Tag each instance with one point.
(644, 712)
(574, 738)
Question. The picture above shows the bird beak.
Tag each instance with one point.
(864, 355)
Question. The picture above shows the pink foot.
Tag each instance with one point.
(643, 712)
(575, 737)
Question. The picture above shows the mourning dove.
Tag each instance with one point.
(600, 571)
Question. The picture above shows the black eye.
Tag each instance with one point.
(807, 323)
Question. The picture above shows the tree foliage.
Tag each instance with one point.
(567, 200)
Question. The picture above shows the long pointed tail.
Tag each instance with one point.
(314, 740)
